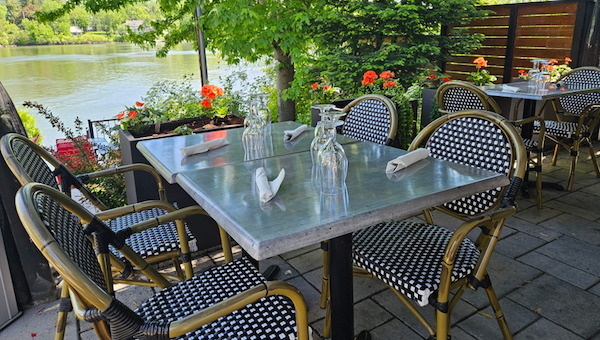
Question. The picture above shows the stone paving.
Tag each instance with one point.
(546, 272)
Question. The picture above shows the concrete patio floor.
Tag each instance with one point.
(546, 272)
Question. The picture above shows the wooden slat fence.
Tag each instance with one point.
(517, 33)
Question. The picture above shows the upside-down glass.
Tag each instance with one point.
(263, 112)
(319, 139)
(332, 161)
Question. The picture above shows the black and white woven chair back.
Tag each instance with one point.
(69, 234)
(370, 119)
(461, 99)
(476, 142)
(584, 77)
(31, 162)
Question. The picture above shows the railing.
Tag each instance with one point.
(517, 33)
(98, 128)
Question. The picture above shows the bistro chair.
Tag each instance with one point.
(577, 117)
(231, 301)
(30, 162)
(454, 96)
(371, 118)
(423, 262)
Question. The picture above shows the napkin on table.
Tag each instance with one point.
(204, 147)
(267, 189)
(288, 135)
(508, 88)
(406, 160)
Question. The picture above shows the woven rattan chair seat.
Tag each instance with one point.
(560, 129)
(269, 318)
(408, 256)
(154, 241)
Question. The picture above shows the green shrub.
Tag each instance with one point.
(30, 127)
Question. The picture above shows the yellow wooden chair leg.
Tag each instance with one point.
(325, 279)
(593, 157)
(555, 155)
(327, 322)
(63, 312)
(498, 312)
(538, 181)
(574, 156)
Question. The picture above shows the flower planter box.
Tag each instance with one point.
(141, 185)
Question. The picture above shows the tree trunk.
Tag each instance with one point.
(286, 109)
(10, 120)
(591, 46)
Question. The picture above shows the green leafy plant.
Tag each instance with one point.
(384, 84)
(481, 76)
(183, 130)
(136, 118)
(30, 127)
(324, 92)
(111, 189)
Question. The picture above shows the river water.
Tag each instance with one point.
(96, 81)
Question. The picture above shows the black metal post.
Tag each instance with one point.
(342, 306)
(201, 47)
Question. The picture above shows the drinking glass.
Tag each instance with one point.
(332, 161)
(319, 139)
(334, 206)
(263, 112)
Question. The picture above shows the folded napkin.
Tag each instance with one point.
(405, 160)
(288, 135)
(267, 189)
(508, 88)
(204, 147)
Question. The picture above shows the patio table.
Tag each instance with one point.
(300, 215)
(164, 155)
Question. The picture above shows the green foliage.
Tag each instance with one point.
(29, 123)
(111, 189)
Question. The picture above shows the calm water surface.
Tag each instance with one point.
(95, 81)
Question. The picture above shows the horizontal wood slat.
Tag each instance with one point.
(469, 60)
(565, 19)
(545, 31)
(553, 53)
(548, 8)
(498, 21)
(556, 42)
(495, 31)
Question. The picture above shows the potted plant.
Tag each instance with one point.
(428, 82)
(323, 92)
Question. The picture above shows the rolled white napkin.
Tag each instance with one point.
(508, 88)
(204, 147)
(267, 189)
(288, 135)
(406, 160)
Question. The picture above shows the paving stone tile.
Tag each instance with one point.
(506, 275)
(393, 330)
(307, 261)
(394, 305)
(592, 189)
(595, 289)
(576, 203)
(483, 324)
(575, 253)
(517, 244)
(286, 271)
(133, 296)
(301, 251)
(561, 303)
(559, 269)
(532, 229)
(535, 215)
(576, 227)
(543, 329)
(312, 298)
(368, 315)
(458, 333)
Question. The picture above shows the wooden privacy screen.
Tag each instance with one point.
(517, 33)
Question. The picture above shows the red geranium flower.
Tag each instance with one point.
(386, 75)
(521, 71)
(446, 79)
(369, 78)
(432, 76)
(390, 83)
(481, 62)
(553, 61)
(315, 85)
(206, 103)
(138, 104)
(325, 88)
(120, 115)
(132, 114)
(568, 60)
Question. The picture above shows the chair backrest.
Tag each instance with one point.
(30, 162)
(480, 139)
(371, 118)
(582, 77)
(454, 96)
(54, 223)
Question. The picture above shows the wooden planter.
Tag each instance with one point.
(141, 185)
